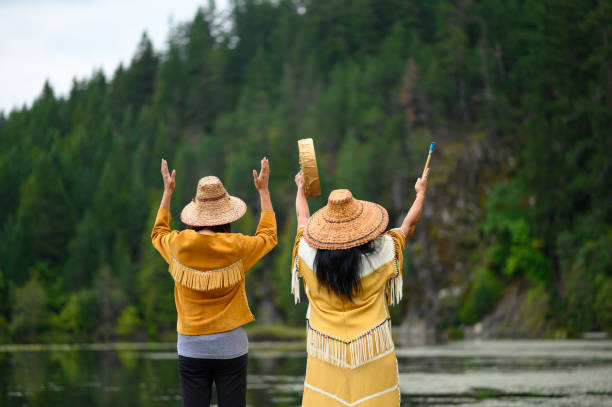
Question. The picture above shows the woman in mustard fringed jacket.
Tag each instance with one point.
(208, 264)
(351, 270)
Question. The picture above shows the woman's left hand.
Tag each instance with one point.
(299, 181)
(169, 183)
(261, 180)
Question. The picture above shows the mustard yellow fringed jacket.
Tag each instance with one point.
(209, 271)
(348, 334)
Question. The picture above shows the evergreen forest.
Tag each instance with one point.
(516, 236)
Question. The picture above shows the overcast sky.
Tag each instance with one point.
(62, 39)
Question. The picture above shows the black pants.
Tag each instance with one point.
(198, 375)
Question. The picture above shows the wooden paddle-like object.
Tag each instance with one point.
(431, 149)
(308, 162)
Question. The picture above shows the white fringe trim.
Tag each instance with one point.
(206, 280)
(396, 283)
(353, 353)
(295, 283)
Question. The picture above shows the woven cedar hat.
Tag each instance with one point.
(212, 205)
(345, 222)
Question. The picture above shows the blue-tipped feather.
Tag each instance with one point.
(432, 146)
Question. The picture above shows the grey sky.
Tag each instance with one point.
(62, 39)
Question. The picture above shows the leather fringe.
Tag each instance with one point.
(395, 289)
(353, 353)
(295, 283)
(206, 280)
(395, 283)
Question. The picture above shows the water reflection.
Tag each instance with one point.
(485, 374)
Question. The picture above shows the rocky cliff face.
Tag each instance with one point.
(442, 256)
(516, 315)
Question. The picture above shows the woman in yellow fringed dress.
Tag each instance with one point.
(351, 270)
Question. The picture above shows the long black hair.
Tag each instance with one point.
(338, 270)
(225, 228)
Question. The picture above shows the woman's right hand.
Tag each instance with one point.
(261, 180)
(169, 183)
(299, 180)
(414, 214)
(421, 184)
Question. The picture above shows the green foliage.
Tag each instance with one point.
(603, 305)
(78, 317)
(513, 250)
(128, 322)
(372, 81)
(587, 286)
(110, 297)
(485, 291)
(154, 287)
(85, 253)
(30, 311)
(42, 222)
(535, 311)
(283, 298)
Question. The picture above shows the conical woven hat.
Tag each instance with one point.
(345, 222)
(212, 205)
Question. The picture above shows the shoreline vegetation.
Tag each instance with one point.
(279, 338)
(262, 336)
(272, 344)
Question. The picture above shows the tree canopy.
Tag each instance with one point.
(517, 95)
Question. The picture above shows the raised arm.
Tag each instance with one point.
(301, 204)
(162, 235)
(169, 185)
(414, 214)
(261, 183)
(255, 247)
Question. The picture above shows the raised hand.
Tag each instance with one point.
(299, 180)
(301, 204)
(261, 180)
(421, 184)
(169, 183)
(414, 214)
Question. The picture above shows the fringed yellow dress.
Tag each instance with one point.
(351, 355)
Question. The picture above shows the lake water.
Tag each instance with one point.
(483, 374)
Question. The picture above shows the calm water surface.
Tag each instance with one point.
(484, 374)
